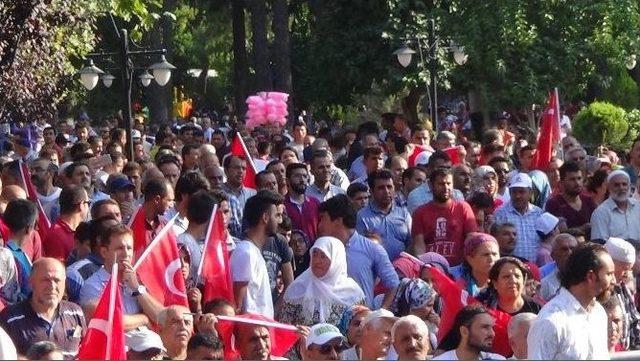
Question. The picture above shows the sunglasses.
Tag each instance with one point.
(339, 348)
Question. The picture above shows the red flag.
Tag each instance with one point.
(454, 298)
(43, 221)
(283, 336)
(214, 264)
(137, 223)
(159, 268)
(549, 134)
(240, 150)
(454, 154)
(104, 339)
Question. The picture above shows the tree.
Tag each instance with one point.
(601, 123)
(240, 59)
(262, 78)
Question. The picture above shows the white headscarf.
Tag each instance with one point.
(334, 287)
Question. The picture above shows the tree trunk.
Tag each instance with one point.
(281, 54)
(260, 44)
(240, 62)
(410, 105)
(160, 98)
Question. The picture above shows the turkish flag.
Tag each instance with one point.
(137, 223)
(159, 268)
(240, 150)
(214, 265)
(454, 299)
(43, 221)
(104, 339)
(283, 336)
(454, 154)
(549, 133)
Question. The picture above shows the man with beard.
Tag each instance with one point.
(383, 217)
(462, 179)
(571, 204)
(302, 209)
(410, 337)
(471, 336)
(618, 215)
(42, 172)
(506, 234)
(442, 224)
(573, 325)
(321, 167)
(251, 286)
(236, 169)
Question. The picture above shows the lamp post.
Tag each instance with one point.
(430, 44)
(161, 73)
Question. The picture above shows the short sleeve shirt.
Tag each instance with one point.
(275, 252)
(444, 228)
(248, 265)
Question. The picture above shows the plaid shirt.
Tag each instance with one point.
(528, 241)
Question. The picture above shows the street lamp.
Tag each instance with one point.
(146, 78)
(107, 80)
(430, 44)
(161, 73)
(89, 75)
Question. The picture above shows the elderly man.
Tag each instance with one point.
(176, 327)
(376, 335)
(618, 215)
(623, 254)
(325, 342)
(561, 248)
(520, 212)
(410, 337)
(517, 331)
(45, 316)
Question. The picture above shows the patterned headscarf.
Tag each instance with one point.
(413, 293)
(347, 316)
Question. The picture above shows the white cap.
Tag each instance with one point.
(62, 167)
(620, 250)
(545, 223)
(322, 333)
(379, 313)
(143, 339)
(520, 180)
(135, 133)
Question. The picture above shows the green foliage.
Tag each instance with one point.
(601, 123)
(622, 89)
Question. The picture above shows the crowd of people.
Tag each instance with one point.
(383, 241)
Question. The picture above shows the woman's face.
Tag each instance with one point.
(614, 329)
(491, 183)
(354, 331)
(484, 256)
(320, 263)
(425, 312)
(288, 157)
(298, 245)
(510, 282)
(185, 262)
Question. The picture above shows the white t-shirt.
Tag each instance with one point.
(247, 265)
(451, 355)
(50, 202)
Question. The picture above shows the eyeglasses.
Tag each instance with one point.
(326, 348)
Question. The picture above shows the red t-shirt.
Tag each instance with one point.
(59, 241)
(444, 228)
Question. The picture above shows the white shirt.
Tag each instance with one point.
(451, 355)
(609, 221)
(50, 202)
(550, 285)
(7, 349)
(247, 265)
(564, 330)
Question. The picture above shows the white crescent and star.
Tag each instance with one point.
(169, 274)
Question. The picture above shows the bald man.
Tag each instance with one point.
(45, 316)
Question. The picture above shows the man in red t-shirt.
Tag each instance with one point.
(441, 225)
(74, 208)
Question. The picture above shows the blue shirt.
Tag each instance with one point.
(93, 287)
(79, 272)
(547, 269)
(394, 227)
(366, 261)
(24, 268)
(528, 241)
(423, 195)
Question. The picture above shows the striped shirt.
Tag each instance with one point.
(527, 241)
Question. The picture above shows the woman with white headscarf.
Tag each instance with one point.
(324, 291)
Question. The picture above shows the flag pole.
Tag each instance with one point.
(112, 304)
(558, 117)
(155, 241)
(246, 152)
(206, 241)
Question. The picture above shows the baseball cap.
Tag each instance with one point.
(143, 339)
(322, 333)
(379, 313)
(520, 180)
(119, 182)
(135, 134)
(545, 223)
